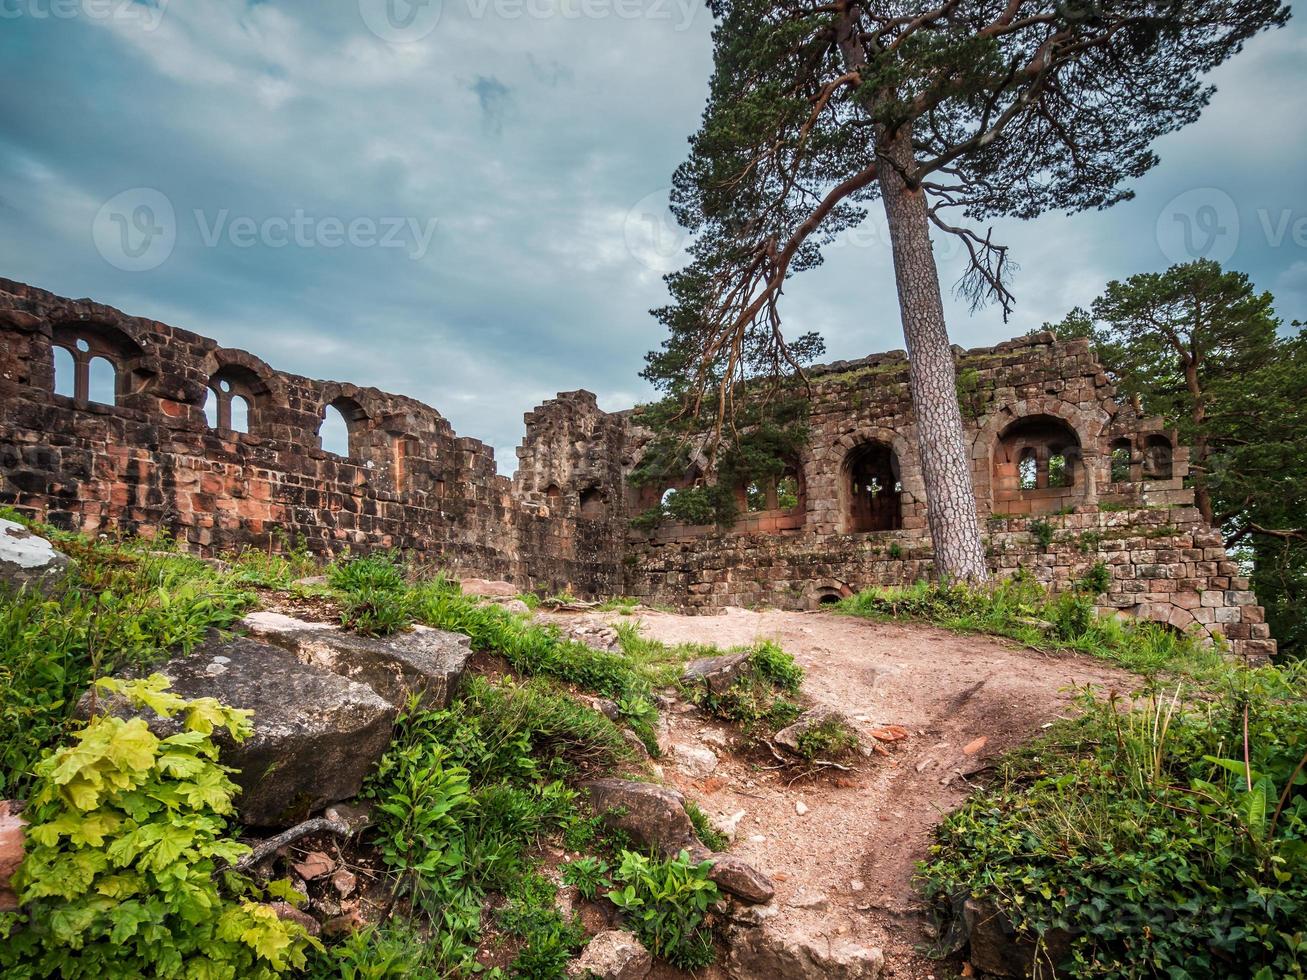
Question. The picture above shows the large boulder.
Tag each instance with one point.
(316, 734)
(423, 661)
(612, 955)
(718, 674)
(489, 589)
(28, 560)
(654, 816)
(11, 851)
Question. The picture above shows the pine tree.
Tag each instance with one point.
(981, 108)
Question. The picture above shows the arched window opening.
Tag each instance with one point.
(1028, 470)
(240, 414)
(1059, 470)
(755, 497)
(1157, 458)
(592, 505)
(668, 496)
(871, 473)
(65, 373)
(101, 381)
(553, 493)
(343, 423)
(334, 432)
(211, 407)
(787, 492)
(1121, 461)
(828, 599)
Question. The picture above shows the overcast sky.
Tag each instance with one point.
(465, 201)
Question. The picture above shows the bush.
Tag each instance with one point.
(1140, 833)
(392, 951)
(550, 940)
(381, 572)
(666, 904)
(587, 875)
(756, 699)
(119, 606)
(124, 845)
(830, 739)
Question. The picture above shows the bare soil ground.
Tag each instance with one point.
(844, 867)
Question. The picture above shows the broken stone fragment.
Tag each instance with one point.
(27, 560)
(314, 865)
(612, 955)
(652, 815)
(289, 913)
(424, 661)
(718, 674)
(11, 851)
(316, 734)
(695, 760)
(737, 877)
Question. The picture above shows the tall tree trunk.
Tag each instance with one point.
(1198, 415)
(945, 458)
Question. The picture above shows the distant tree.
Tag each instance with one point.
(1203, 349)
(982, 107)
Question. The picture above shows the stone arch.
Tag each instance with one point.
(345, 429)
(871, 488)
(591, 504)
(239, 396)
(827, 592)
(105, 362)
(1121, 459)
(989, 455)
(825, 475)
(1043, 447)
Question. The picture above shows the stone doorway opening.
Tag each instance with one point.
(874, 489)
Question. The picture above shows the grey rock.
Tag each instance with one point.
(695, 760)
(12, 850)
(28, 560)
(316, 734)
(489, 589)
(612, 955)
(718, 674)
(653, 816)
(424, 661)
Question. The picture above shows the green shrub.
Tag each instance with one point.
(1043, 532)
(272, 569)
(550, 940)
(381, 572)
(587, 875)
(120, 606)
(124, 844)
(375, 612)
(1096, 581)
(393, 951)
(756, 699)
(666, 904)
(830, 739)
(1138, 831)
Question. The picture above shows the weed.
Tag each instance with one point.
(712, 838)
(587, 875)
(830, 739)
(1043, 531)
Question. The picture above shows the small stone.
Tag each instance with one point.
(350, 921)
(695, 760)
(857, 885)
(971, 748)
(289, 913)
(728, 826)
(613, 955)
(800, 807)
(344, 882)
(810, 900)
(315, 865)
(757, 838)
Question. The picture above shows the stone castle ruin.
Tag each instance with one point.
(162, 429)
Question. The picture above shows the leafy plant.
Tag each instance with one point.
(551, 940)
(381, 572)
(587, 875)
(757, 698)
(393, 951)
(375, 612)
(1043, 531)
(124, 843)
(120, 605)
(666, 903)
(1141, 829)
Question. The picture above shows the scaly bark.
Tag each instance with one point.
(945, 459)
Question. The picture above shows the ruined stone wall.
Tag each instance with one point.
(1065, 476)
(1052, 453)
(151, 460)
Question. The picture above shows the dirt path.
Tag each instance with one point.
(844, 867)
